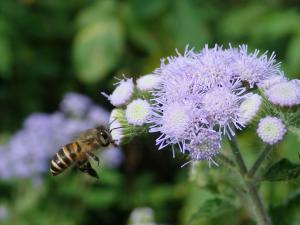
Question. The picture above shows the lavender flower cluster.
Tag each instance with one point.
(196, 98)
(28, 152)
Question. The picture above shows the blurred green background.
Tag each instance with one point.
(51, 47)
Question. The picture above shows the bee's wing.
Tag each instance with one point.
(89, 139)
(86, 135)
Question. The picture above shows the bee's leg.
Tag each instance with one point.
(94, 157)
(85, 166)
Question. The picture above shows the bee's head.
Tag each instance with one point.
(104, 136)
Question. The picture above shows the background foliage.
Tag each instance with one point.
(50, 47)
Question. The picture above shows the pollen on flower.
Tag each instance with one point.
(250, 107)
(148, 82)
(271, 130)
(137, 112)
(122, 93)
(284, 93)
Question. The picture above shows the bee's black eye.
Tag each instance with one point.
(104, 138)
(104, 135)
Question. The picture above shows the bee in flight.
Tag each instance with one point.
(80, 149)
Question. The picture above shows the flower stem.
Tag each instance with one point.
(260, 211)
(259, 160)
(226, 160)
(238, 156)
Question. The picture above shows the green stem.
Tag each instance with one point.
(238, 157)
(263, 155)
(260, 211)
(259, 208)
(226, 160)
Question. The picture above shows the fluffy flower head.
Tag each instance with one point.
(253, 68)
(122, 92)
(137, 112)
(271, 130)
(205, 145)
(173, 121)
(250, 107)
(116, 128)
(148, 82)
(284, 93)
(269, 82)
(220, 105)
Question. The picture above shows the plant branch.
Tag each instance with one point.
(238, 157)
(263, 155)
(226, 160)
(260, 211)
(259, 208)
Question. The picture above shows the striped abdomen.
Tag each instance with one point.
(64, 158)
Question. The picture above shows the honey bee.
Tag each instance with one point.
(80, 149)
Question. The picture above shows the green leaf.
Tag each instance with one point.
(5, 56)
(275, 25)
(97, 49)
(139, 33)
(101, 197)
(186, 25)
(293, 55)
(295, 131)
(149, 8)
(287, 213)
(212, 208)
(95, 12)
(239, 22)
(282, 170)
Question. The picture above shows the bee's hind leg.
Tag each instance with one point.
(85, 167)
(94, 157)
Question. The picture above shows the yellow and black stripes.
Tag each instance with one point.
(64, 158)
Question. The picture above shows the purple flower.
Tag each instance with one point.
(97, 115)
(204, 145)
(122, 93)
(75, 104)
(271, 129)
(112, 157)
(286, 93)
(174, 121)
(250, 107)
(214, 66)
(205, 90)
(254, 68)
(220, 107)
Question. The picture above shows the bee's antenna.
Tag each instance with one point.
(115, 128)
(111, 122)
